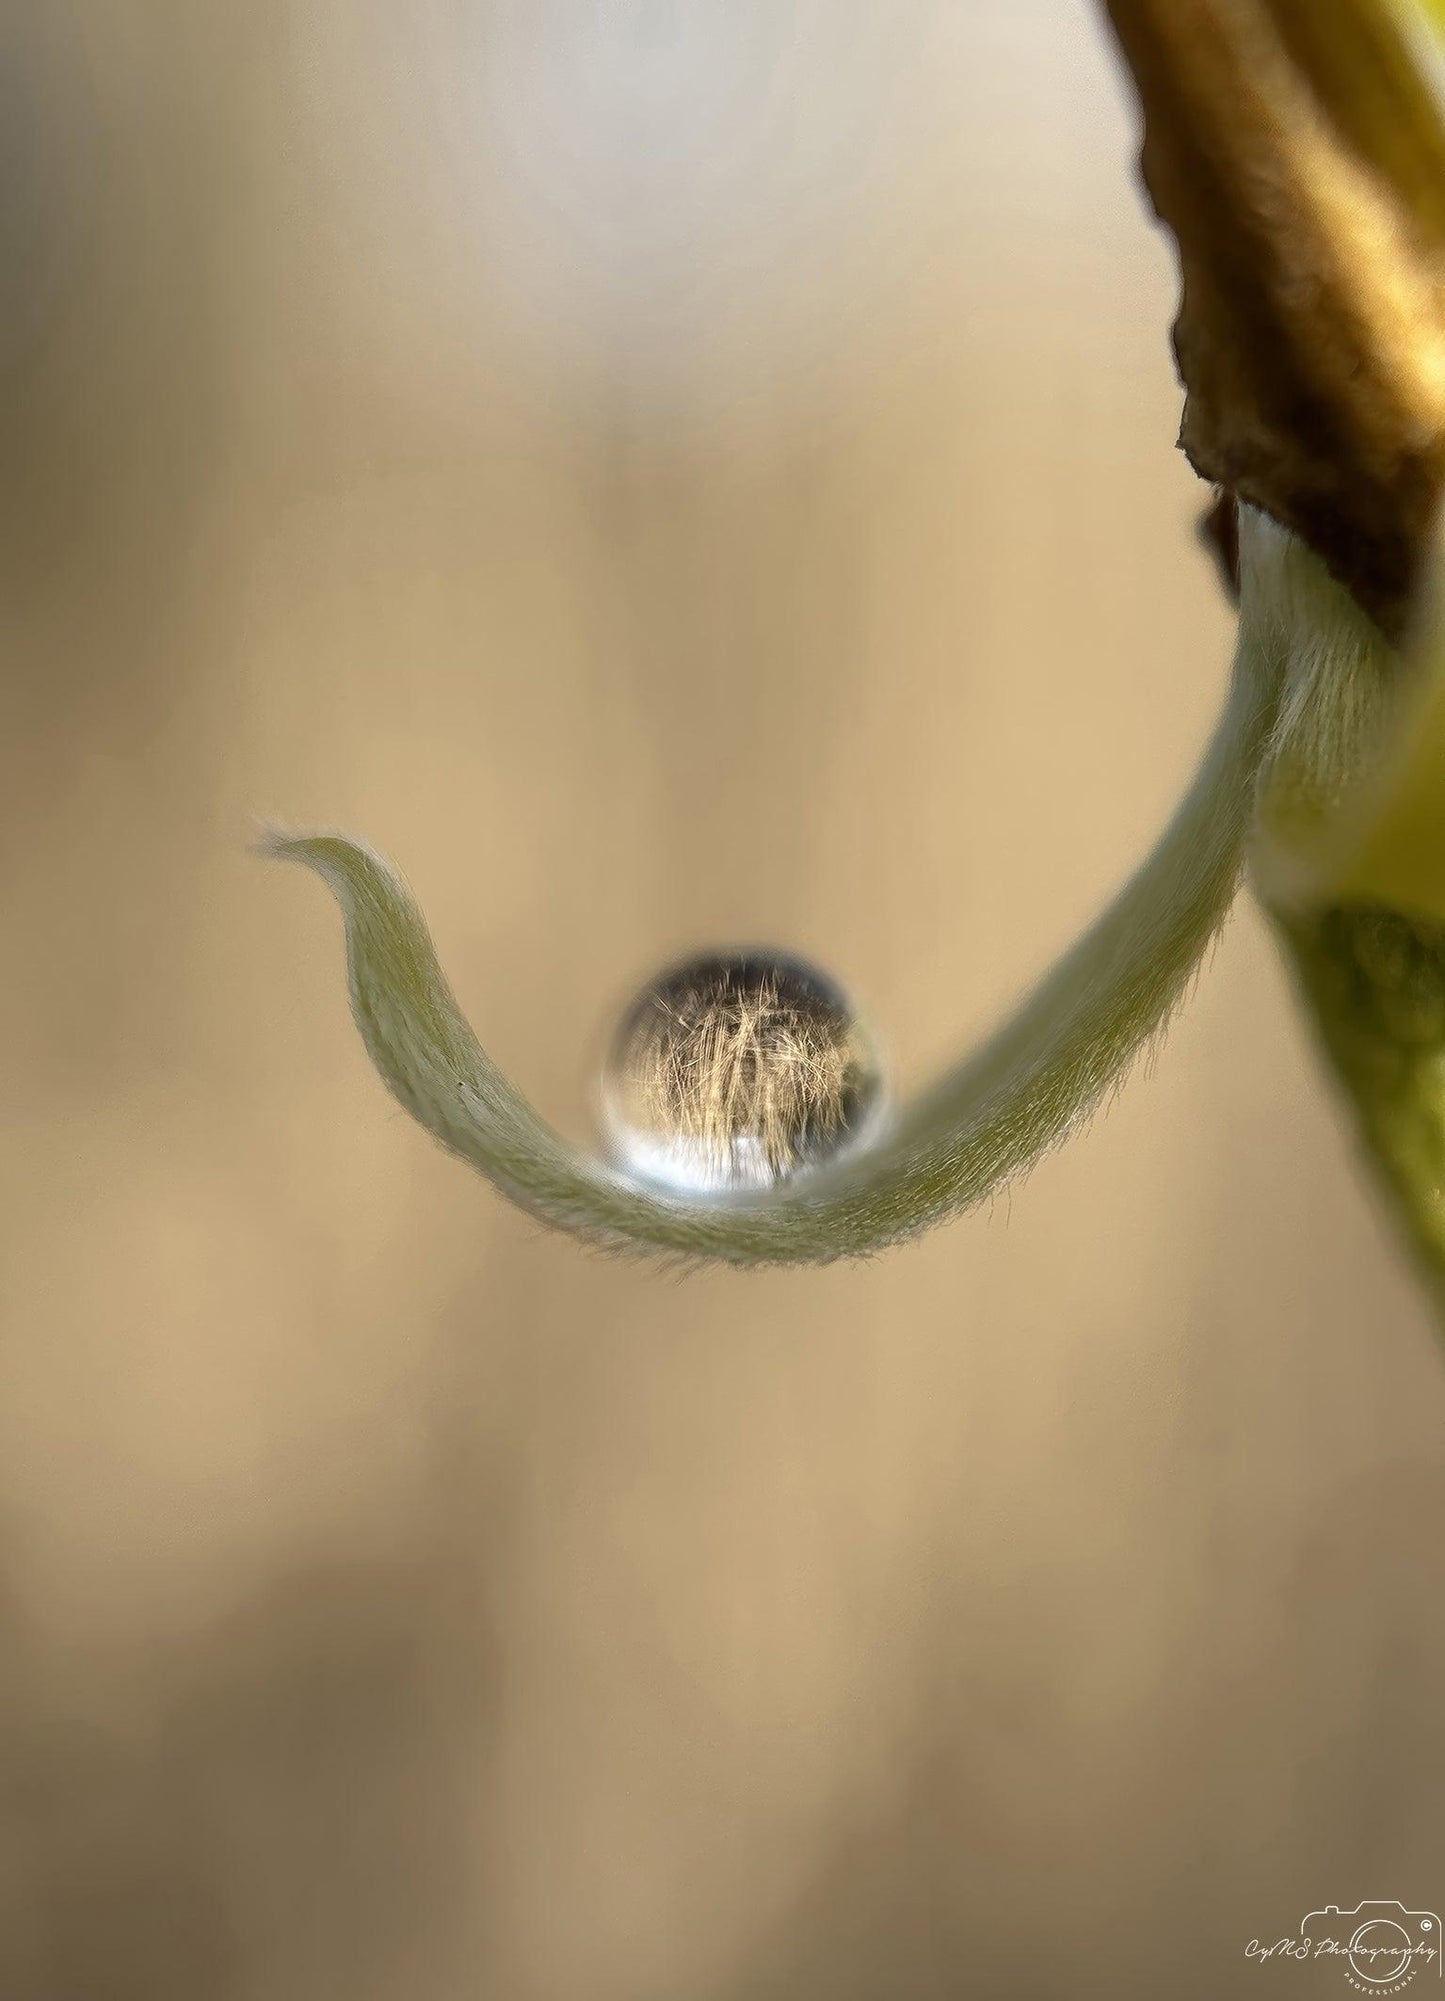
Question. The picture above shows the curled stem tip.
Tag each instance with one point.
(981, 1125)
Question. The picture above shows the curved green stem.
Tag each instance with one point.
(984, 1123)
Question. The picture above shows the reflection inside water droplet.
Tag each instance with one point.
(736, 1071)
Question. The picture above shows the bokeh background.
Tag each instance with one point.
(670, 473)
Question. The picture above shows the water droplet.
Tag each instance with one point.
(737, 1070)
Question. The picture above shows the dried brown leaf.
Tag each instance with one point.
(1298, 158)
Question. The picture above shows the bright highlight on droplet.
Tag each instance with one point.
(737, 1071)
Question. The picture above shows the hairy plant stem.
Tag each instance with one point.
(1365, 942)
(983, 1123)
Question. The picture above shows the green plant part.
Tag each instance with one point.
(1375, 981)
(987, 1122)
(1297, 154)
(1349, 861)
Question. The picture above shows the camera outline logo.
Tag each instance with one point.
(1384, 1945)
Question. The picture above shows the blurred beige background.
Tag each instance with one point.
(668, 474)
